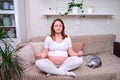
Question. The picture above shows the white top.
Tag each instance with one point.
(57, 49)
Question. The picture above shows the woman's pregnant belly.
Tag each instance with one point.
(57, 60)
(57, 57)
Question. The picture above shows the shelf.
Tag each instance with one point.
(7, 26)
(10, 31)
(108, 15)
(80, 14)
(7, 12)
(9, 19)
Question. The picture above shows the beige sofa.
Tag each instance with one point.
(98, 44)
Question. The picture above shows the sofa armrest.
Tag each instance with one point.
(21, 45)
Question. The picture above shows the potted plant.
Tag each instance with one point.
(10, 68)
(73, 5)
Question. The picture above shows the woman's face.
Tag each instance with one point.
(58, 27)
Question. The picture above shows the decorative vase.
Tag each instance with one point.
(11, 33)
(91, 9)
(75, 10)
(6, 5)
(6, 21)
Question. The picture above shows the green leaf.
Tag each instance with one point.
(9, 66)
(2, 33)
(72, 4)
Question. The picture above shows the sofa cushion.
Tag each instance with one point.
(26, 57)
(37, 46)
(108, 70)
(77, 46)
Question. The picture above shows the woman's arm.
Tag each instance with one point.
(44, 54)
(72, 53)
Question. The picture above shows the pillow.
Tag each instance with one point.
(26, 57)
(77, 46)
(21, 45)
(37, 46)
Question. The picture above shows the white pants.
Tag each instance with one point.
(70, 63)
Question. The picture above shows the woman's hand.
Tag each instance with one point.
(80, 53)
(38, 56)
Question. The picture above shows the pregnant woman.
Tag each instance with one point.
(58, 57)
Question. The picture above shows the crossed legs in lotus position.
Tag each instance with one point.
(70, 63)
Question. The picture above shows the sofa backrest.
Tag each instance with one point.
(97, 43)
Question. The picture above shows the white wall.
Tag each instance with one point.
(22, 20)
(39, 25)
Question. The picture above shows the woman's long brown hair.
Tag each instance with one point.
(53, 32)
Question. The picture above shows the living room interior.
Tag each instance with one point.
(33, 18)
(36, 18)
